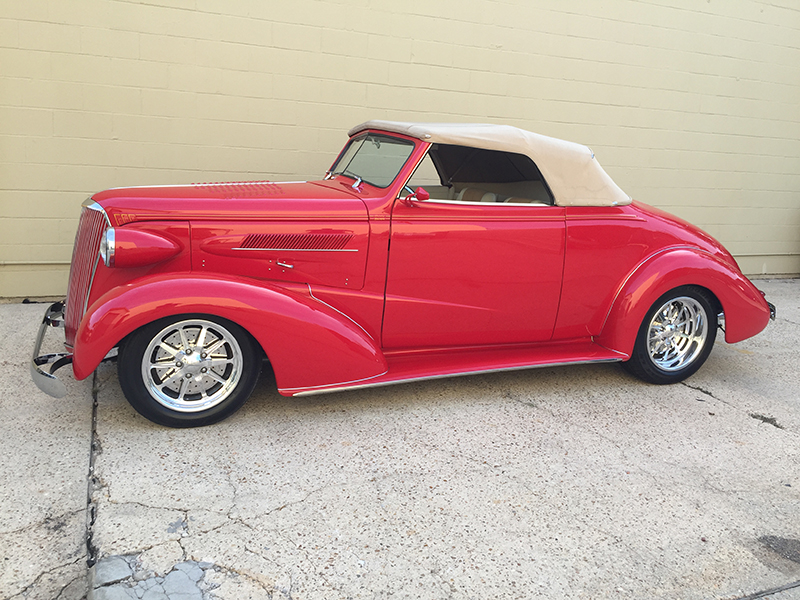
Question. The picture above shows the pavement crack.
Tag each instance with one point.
(91, 481)
(771, 591)
(69, 583)
(150, 507)
(697, 388)
(315, 569)
(185, 554)
(259, 580)
(292, 502)
(765, 419)
(24, 592)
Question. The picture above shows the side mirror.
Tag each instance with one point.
(421, 194)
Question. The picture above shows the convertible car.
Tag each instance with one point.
(428, 250)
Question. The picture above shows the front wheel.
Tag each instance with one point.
(676, 336)
(188, 371)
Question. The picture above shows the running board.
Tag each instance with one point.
(418, 365)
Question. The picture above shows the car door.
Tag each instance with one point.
(472, 273)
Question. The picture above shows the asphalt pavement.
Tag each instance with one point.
(570, 482)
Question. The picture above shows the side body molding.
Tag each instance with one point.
(308, 342)
(746, 311)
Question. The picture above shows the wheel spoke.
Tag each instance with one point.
(168, 349)
(201, 337)
(171, 379)
(184, 340)
(215, 377)
(163, 363)
(214, 346)
(182, 390)
(218, 362)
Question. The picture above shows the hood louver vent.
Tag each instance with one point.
(296, 241)
(239, 189)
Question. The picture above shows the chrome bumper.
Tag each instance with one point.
(771, 310)
(44, 379)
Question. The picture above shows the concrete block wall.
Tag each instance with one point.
(690, 106)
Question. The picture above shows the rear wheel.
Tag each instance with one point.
(188, 371)
(676, 336)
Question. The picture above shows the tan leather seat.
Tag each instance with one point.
(476, 195)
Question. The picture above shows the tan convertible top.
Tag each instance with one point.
(571, 170)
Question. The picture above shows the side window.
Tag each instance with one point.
(427, 177)
(478, 175)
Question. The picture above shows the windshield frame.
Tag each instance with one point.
(358, 141)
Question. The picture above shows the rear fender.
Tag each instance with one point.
(746, 311)
(308, 342)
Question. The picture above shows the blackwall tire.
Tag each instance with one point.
(675, 337)
(189, 370)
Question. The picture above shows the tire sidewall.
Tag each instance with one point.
(129, 368)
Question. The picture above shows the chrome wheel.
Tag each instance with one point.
(192, 365)
(677, 333)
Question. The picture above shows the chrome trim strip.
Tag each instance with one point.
(189, 185)
(465, 203)
(92, 205)
(310, 293)
(429, 377)
(301, 249)
(326, 388)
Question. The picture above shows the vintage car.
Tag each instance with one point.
(428, 250)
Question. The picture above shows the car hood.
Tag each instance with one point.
(262, 200)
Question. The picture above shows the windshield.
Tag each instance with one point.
(374, 158)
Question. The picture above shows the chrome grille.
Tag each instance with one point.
(85, 255)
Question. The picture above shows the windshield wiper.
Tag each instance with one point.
(347, 173)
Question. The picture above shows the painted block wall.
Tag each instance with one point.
(691, 106)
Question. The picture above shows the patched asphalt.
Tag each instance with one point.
(574, 482)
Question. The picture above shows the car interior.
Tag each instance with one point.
(465, 174)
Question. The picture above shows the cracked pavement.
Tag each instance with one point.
(575, 482)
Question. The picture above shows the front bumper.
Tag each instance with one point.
(45, 380)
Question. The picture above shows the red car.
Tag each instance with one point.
(428, 250)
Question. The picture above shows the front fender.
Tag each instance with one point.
(308, 342)
(746, 311)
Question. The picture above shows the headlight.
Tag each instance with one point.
(107, 247)
(129, 247)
